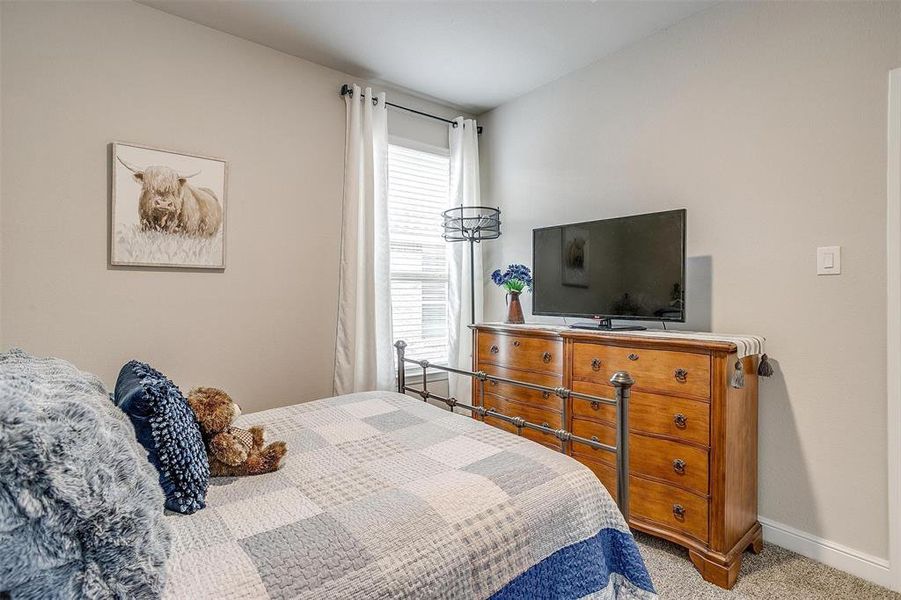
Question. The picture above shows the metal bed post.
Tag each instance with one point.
(425, 380)
(565, 399)
(623, 382)
(401, 347)
(481, 377)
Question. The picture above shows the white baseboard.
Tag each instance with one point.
(843, 558)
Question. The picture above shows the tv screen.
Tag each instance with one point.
(623, 268)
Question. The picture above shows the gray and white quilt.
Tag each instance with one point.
(385, 496)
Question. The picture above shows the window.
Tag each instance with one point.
(418, 192)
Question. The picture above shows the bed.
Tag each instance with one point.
(385, 496)
(381, 495)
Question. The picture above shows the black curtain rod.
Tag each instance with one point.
(347, 90)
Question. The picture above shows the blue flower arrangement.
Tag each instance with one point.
(515, 279)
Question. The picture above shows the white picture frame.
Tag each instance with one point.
(168, 208)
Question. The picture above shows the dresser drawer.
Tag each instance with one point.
(529, 413)
(680, 418)
(652, 457)
(674, 462)
(682, 373)
(668, 506)
(522, 352)
(600, 432)
(521, 394)
(594, 410)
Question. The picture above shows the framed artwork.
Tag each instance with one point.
(575, 256)
(168, 208)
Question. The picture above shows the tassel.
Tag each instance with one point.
(765, 369)
(738, 376)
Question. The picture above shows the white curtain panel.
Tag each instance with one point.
(364, 355)
(464, 182)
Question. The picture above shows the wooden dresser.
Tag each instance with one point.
(692, 436)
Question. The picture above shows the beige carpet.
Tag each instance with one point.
(774, 574)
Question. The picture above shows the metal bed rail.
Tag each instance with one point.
(621, 381)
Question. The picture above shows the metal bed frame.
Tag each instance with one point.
(622, 383)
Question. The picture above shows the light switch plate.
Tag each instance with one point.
(829, 260)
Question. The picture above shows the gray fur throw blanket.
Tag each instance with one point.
(81, 509)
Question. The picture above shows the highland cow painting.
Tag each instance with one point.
(168, 209)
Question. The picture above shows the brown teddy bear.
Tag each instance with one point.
(231, 451)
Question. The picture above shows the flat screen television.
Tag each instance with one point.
(630, 268)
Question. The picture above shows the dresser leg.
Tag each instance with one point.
(757, 542)
(723, 570)
(723, 575)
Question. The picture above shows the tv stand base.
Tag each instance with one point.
(607, 325)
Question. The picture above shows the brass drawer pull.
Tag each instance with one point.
(492, 382)
(681, 375)
(516, 343)
(679, 466)
(546, 357)
(594, 438)
(596, 364)
(545, 394)
(679, 511)
(595, 405)
(546, 425)
(494, 349)
(633, 356)
(680, 420)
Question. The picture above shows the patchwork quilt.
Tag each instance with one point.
(385, 496)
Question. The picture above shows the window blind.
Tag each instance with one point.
(418, 192)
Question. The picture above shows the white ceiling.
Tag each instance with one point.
(474, 55)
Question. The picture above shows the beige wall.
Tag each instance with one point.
(1, 175)
(767, 121)
(77, 76)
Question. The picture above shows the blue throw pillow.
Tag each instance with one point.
(167, 428)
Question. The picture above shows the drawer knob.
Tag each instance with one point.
(492, 382)
(679, 511)
(546, 357)
(546, 425)
(633, 356)
(680, 420)
(516, 343)
(595, 364)
(681, 375)
(679, 466)
(545, 394)
(494, 349)
(595, 405)
(594, 438)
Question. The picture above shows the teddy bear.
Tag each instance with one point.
(232, 451)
